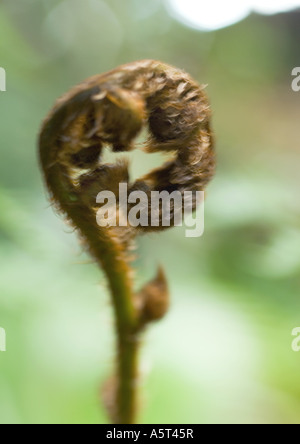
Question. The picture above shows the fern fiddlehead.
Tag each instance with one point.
(111, 110)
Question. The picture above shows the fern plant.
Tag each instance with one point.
(111, 110)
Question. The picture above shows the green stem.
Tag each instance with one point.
(110, 257)
(127, 390)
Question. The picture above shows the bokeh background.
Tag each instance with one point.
(223, 354)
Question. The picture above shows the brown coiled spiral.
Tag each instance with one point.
(111, 110)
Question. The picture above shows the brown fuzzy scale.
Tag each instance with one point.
(112, 109)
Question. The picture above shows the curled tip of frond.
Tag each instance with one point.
(110, 110)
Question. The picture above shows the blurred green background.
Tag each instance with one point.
(223, 354)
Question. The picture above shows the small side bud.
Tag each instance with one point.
(154, 298)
